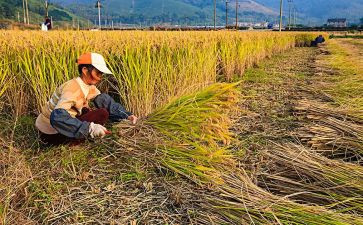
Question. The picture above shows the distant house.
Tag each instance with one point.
(260, 25)
(337, 22)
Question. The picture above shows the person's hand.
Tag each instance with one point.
(133, 119)
(97, 130)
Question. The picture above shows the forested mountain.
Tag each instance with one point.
(13, 10)
(192, 12)
(318, 11)
(169, 11)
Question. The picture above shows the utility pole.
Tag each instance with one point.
(236, 14)
(27, 12)
(280, 27)
(46, 8)
(215, 13)
(98, 5)
(290, 3)
(226, 14)
(24, 11)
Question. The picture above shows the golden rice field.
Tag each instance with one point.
(150, 68)
(186, 88)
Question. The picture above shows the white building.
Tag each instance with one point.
(337, 22)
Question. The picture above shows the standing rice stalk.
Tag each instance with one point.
(4, 82)
(150, 68)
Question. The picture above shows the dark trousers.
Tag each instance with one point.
(99, 116)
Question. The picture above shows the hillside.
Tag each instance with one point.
(318, 11)
(200, 11)
(12, 9)
(191, 12)
(173, 11)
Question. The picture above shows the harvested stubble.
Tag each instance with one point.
(332, 132)
(241, 202)
(313, 179)
(14, 175)
(204, 160)
(346, 88)
(151, 68)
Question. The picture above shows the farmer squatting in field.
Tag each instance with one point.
(318, 40)
(66, 117)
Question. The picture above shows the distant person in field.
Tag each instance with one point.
(318, 40)
(48, 23)
(67, 117)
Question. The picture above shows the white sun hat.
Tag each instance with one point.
(95, 60)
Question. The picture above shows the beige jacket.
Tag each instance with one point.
(68, 96)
